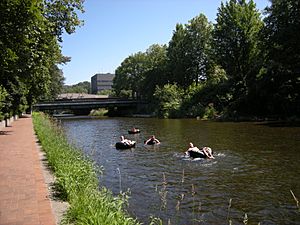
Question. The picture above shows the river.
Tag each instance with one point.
(251, 180)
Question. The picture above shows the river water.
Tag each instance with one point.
(256, 167)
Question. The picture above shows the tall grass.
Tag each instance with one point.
(76, 180)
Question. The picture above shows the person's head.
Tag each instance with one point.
(153, 137)
(191, 145)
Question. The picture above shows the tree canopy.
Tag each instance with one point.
(141, 72)
(242, 65)
(282, 47)
(236, 47)
(30, 32)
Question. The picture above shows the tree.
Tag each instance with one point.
(121, 81)
(156, 74)
(188, 51)
(130, 74)
(141, 72)
(199, 32)
(81, 87)
(29, 49)
(282, 45)
(177, 61)
(236, 47)
(62, 15)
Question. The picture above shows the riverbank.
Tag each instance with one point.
(77, 180)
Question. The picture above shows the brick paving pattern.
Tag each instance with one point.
(23, 192)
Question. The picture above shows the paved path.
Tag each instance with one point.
(23, 192)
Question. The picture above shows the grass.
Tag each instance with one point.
(76, 180)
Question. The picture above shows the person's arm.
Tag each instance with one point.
(157, 141)
(210, 156)
(207, 153)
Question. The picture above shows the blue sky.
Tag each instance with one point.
(115, 29)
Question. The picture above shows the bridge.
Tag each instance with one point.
(83, 106)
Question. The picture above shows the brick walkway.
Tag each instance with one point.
(23, 192)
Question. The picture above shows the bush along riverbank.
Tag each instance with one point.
(76, 180)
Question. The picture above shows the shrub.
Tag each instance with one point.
(3, 95)
(169, 99)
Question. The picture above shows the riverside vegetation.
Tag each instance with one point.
(245, 64)
(76, 180)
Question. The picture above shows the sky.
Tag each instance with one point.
(116, 29)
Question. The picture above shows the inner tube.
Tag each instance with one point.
(200, 154)
(134, 132)
(152, 142)
(121, 145)
(194, 154)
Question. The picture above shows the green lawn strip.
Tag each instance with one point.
(76, 180)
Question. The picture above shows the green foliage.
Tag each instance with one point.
(155, 221)
(108, 92)
(62, 15)
(156, 56)
(282, 45)
(236, 45)
(177, 62)
(76, 178)
(29, 49)
(3, 96)
(169, 99)
(125, 94)
(188, 51)
(240, 64)
(210, 112)
(130, 75)
(57, 82)
(140, 72)
(81, 87)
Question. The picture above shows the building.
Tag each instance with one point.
(101, 81)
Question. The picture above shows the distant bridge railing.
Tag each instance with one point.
(90, 103)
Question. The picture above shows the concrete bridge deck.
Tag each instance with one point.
(91, 103)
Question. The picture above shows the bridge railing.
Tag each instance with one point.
(62, 100)
(86, 103)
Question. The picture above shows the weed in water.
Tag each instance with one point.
(193, 196)
(229, 207)
(120, 179)
(155, 221)
(177, 206)
(296, 200)
(163, 193)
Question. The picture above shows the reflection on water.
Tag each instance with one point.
(255, 167)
